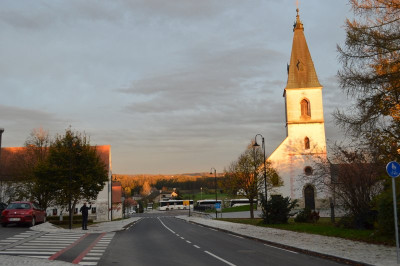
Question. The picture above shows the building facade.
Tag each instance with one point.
(106, 207)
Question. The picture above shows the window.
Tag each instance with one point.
(308, 170)
(76, 211)
(54, 211)
(306, 143)
(305, 108)
(93, 209)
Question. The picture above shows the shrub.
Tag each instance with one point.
(307, 216)
(277, 209)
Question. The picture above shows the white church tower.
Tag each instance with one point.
(305, 129)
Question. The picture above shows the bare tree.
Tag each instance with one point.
(245, 176)
(354, 177)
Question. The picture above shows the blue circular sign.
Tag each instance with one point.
(393, 169)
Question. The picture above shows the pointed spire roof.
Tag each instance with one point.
(301, 71)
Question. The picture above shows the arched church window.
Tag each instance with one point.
(306, 143)
(305, 108)
(308, 170)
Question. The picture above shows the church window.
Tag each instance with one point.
(305, 108)
(306, 143)
(308, 170)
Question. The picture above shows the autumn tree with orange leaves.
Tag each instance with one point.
(371, 75)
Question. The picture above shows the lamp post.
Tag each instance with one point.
(1, 169)
(216, 198)
(265, 169)
(201, 193)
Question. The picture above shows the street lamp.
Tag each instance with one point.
(216, 198)
(1, 132)
(265, 169)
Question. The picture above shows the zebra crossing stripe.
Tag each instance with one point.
(56, 255)
(88, 249)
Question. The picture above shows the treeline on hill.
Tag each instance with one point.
(142, 184)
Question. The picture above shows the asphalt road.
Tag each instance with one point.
(11, 230)
(160, 239)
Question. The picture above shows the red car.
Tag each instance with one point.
(23, 212)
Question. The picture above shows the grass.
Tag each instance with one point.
(323, 227)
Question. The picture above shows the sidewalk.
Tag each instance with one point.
(354, 251)
(104, 227)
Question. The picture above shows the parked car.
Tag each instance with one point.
(3, 206)
(23, 212)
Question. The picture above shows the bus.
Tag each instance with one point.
(166, 205)
(241, 202)
(207, 204)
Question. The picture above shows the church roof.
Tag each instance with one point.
(301, 71)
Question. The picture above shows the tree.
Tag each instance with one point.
(76, 169)
(356, 178)
(371, 75)
(245, 176)
(32, 175)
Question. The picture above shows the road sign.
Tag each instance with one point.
(218, 206)
(185, 203)
(393, 169)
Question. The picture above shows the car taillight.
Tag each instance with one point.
(5, 212)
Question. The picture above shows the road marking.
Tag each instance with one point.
(166, 226)
(236, 236)
(182, 238)
(56, 255)
(281, 249)
(87, 250)
(219, 258)
(196, 246)
(188, 241)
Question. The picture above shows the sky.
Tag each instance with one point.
(174, 86)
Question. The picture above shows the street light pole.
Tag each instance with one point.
(216, 197)
(265, 168)
(1, 177)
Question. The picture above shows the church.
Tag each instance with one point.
(305, 129)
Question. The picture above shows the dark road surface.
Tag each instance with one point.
(161, 239)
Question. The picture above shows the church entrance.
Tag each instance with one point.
(309, 197)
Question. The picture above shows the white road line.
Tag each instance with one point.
(88, 263)
(182, 238)
(236, 236)
(219, 258)
(188, 241)
(166, 226)
(281, 249)
(196, 246)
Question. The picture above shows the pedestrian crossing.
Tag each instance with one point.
(93, 257)
(45, 245)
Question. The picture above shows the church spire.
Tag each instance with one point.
(301, 71)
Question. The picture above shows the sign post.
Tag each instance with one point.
(393, 169)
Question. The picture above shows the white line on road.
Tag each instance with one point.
(188, 241)
(236, 236)
(182, 238)
(221, 259)
(165, 226)
(281, 249)
(196, 246)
